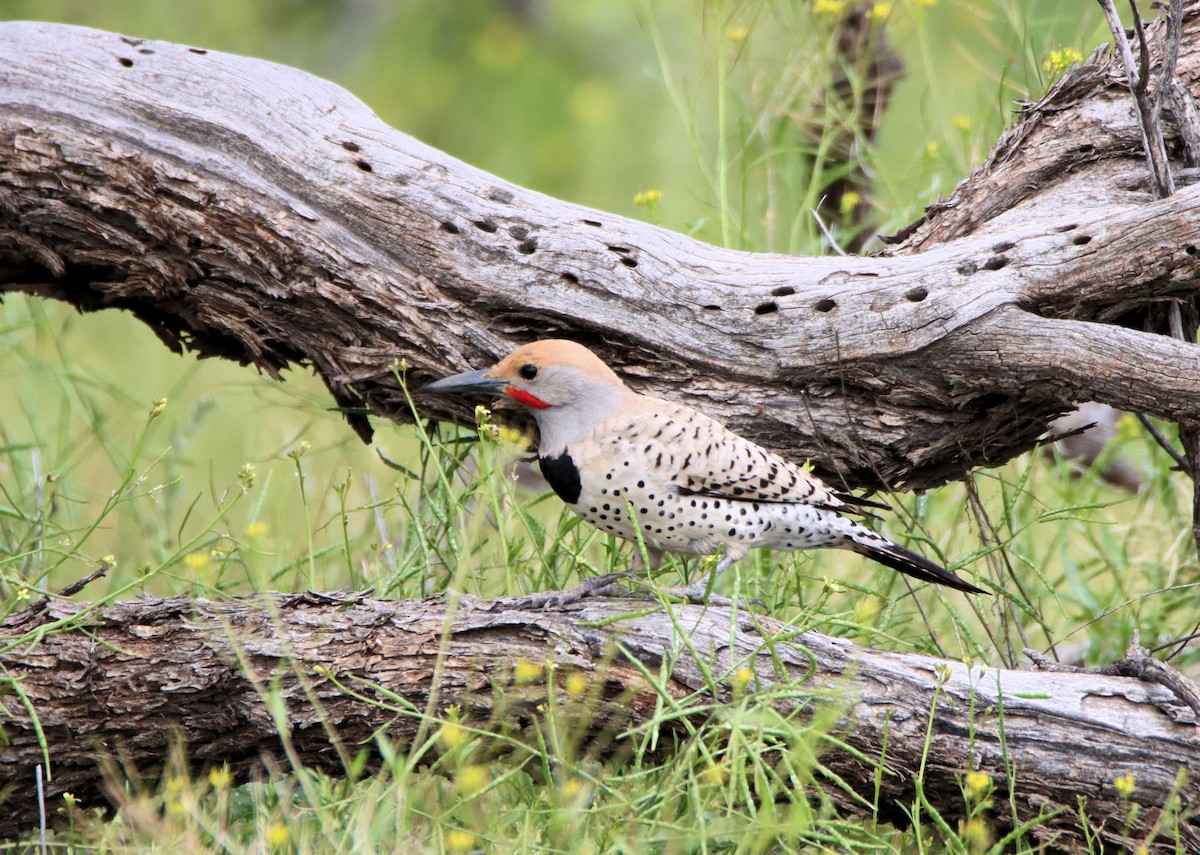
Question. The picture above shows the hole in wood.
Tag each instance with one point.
(628, 262)
(501, 196)
(766, 309)
(519, 232)
(528, 247)
(967, 268)
(125, 61)
(618, 249)
(350, 146)
(1082, 240)
(711, 308)
(594, 223)
(364, 166)
(917, 294)
(995, 262)
(449, 228)
(485, 226)
(1189, 249)
(783, 291)
(200, 51)
(1003, 246)
(1068, 228)
(825, 305)
(569, 277)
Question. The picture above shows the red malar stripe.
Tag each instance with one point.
(523, 397)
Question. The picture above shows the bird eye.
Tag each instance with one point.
(528, 371)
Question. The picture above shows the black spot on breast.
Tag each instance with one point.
(563, 476)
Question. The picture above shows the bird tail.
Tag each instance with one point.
(878, 548)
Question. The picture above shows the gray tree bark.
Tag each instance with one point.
(254, 212)
(122, 681)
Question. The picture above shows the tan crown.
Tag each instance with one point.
(553, 351)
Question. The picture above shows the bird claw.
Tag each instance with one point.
(697, 593)
(597, 586)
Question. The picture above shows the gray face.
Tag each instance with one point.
(577, 403)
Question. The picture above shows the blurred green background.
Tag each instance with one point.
(590, 100)
(703, 117)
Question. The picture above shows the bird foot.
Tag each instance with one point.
(597, 586)
(698, 594)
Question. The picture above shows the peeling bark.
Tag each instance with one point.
(124, 680)
(253, 212)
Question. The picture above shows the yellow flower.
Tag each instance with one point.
(220, 779)
(976, 833)
(23, 594)
(278, 834)
(737, 34)
(963, 123)
(647, 198)
(1124, 785)
(1060, 60)
(741, 679)
(715, 775)
(196, 561)
(978, 783)
(924, 3)
(471, 778)
(850, 201)
(577, 684)
(257, 530)
(570, 789)
(866, 610)
(829, 7)
(932, 149)
(526, 671)
(881, 11)
(452, 735)
(460, 841)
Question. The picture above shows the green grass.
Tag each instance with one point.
(237, 485)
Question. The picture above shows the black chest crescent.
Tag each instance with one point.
(563, 476)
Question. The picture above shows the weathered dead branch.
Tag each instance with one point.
(163, 180)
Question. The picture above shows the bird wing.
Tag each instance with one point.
(708, 459)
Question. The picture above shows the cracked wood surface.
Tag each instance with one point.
(254, 212)
(124, 680)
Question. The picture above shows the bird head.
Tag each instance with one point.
(553, 373)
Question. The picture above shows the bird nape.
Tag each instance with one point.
(633, 465)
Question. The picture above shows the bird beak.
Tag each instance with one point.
(465, 383)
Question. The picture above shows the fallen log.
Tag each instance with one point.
(128, 680)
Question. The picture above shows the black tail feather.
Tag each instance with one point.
(911, 564)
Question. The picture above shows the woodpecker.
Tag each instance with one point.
(624, 462)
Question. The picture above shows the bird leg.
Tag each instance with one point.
(699, 591)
